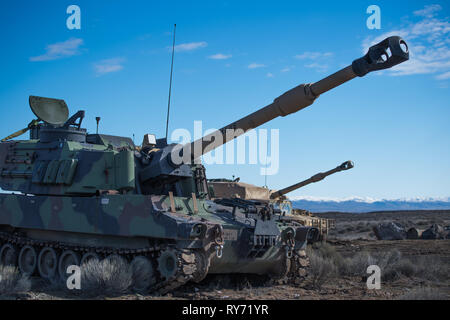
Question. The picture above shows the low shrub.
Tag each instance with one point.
(110, 276)
(392, 264)
(12, 281)
(322, 269)
(431, 268)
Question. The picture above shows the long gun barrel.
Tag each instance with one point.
(315, 178)
(384, 55)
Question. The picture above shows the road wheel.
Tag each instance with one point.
(88, 256)
(143, 273)
(8, 255)
(168, 264)
(67, 258)
(47, 263)
(27, 260)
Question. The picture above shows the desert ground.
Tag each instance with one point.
(410, 269)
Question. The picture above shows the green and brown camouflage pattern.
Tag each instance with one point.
(66, 167)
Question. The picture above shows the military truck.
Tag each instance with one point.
(76, 196)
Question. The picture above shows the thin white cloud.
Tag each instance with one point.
(108, 65)
(269, 75)
(319, 67)
(313, 55)
(316, 58)
(190, 46)
(287, 69)
(428, 41)
(256, 65)
(444, 76)
(220, 56)
(428, 11)
(60, 50)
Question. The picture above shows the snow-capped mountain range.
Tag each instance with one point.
(360, 204)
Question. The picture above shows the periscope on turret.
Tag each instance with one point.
(84, 196)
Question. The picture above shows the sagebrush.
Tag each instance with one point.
(110, 276)
(12, 281)
(327, 263)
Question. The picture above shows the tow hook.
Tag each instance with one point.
(289, 252)
(290, 244)
(219, 251)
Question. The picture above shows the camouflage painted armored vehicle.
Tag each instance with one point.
(233, 191)
(77, 196)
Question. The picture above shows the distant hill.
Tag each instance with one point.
(368, 205)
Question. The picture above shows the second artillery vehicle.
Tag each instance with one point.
(76, 196)
(240, 194)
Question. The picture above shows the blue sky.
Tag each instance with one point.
(234, 57)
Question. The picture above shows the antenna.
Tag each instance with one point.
(170, 84)
(98, 121)
(265, 168)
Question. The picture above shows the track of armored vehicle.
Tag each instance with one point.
(190, 264)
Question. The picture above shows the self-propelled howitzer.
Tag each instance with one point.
(235, 193)
(224, 188)
(79, 196)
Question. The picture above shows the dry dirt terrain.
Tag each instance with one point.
(411, 269)
(352, 226)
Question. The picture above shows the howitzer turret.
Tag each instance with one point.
(315, 178)
(83, 196)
